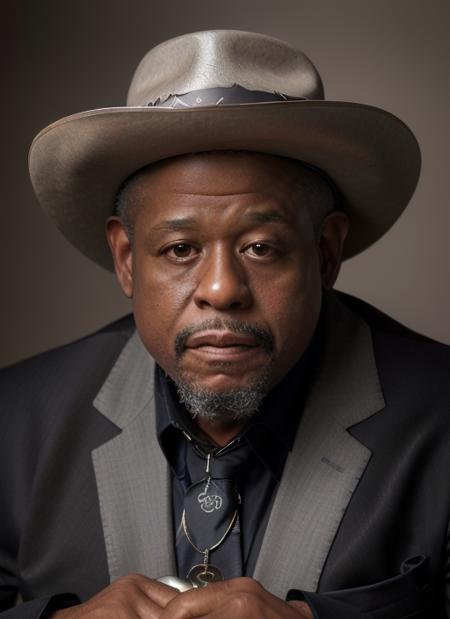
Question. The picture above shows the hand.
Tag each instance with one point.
(131, 597)
(240, 598)
(136, 596)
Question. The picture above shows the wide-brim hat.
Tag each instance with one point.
(224, 90)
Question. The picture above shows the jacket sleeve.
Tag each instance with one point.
(40, 608)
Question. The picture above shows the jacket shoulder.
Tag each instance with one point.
(382, 323)
(413, 369)
(391, 339)
(62, 377)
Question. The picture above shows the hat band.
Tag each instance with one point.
(230, 95)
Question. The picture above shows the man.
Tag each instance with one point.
(281, 448)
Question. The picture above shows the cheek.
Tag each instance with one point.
(293, 301)
(158, 303)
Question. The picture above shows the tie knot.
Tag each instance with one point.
(220, 463)
(229, 464)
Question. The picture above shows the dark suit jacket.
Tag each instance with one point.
(360, 522)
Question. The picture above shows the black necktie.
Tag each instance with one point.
(208, 543)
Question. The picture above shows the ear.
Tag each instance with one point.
(332, 235)
(121, 251)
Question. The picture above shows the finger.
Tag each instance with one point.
(146, 608)
(302, 607)
(127, 595)
(199, 602)
(158, 592)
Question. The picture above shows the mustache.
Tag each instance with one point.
(262, 336)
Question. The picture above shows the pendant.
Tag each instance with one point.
(176, 583)
(203, 574)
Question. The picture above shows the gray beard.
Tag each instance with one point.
(233, 405)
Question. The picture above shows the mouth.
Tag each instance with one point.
(221, 339)
(220, 342)
(224, 344)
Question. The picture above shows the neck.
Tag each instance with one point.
(217, 432)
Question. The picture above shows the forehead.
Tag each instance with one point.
(215, 179)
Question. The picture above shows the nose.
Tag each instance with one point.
(222, 282)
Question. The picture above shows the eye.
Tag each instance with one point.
(260, 250)
(180, 252)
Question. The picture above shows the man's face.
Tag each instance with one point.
(224, 269)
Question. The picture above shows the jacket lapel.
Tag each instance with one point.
(326, 463)
(131, 472)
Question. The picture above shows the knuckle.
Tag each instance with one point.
(122, 592)
(134, 577)
(242, 604)
(252, 585)
(127, 584)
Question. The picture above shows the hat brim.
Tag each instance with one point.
(78, 163)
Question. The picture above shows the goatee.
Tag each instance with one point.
(233, 404)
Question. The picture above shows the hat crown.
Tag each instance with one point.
(221, 59)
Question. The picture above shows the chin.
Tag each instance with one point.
(221, 396)
(225, 380)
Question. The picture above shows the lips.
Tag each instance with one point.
(232, 340)
(221, 340)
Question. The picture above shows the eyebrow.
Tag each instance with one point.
(182, 223)
(271, 217)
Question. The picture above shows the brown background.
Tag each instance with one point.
(64, 56)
